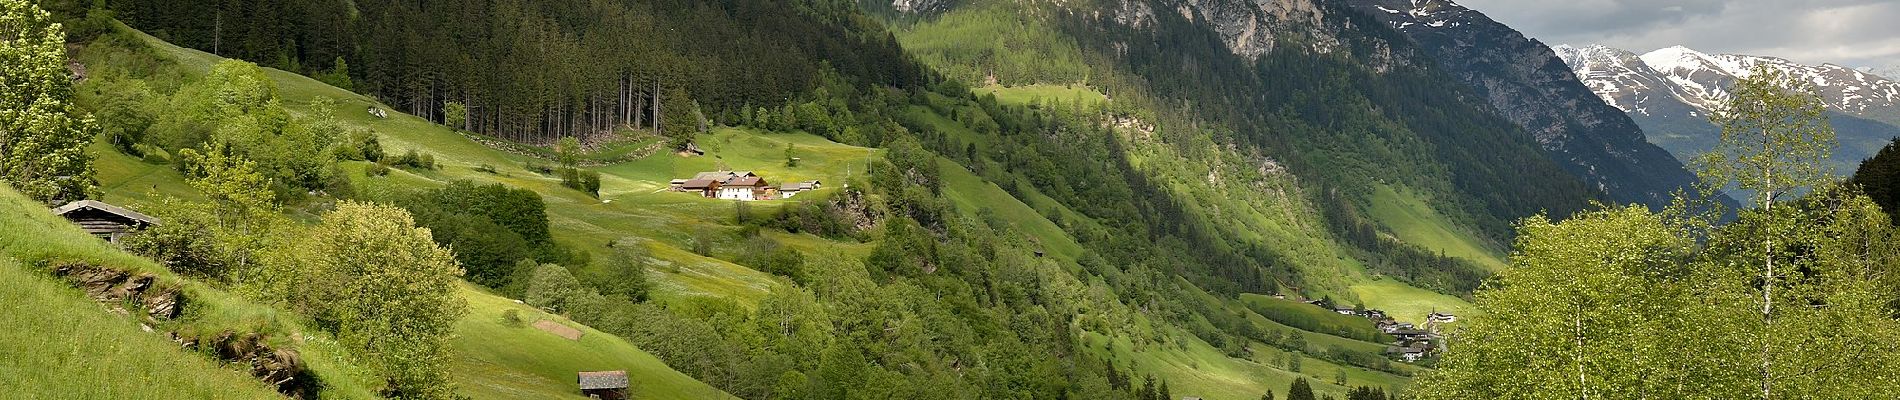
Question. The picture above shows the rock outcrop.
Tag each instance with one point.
(158, 302)
(1525, 82)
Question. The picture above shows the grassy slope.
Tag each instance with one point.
(1409, 304)
(1272, 214)
(501, 360)
(66, 343)
(484, 368)
(1411, 220)
(1044, 92)
(637, 207)
(61, 345)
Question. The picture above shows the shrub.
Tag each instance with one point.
(512, 318)
(582, 180)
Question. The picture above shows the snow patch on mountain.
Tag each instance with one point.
(1700, 80)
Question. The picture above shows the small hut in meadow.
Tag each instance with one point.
(604, 385)
(103, 220)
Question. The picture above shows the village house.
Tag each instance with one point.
(792, 189)
(1411, 335)
(705, 187)
(104, 221)
(1389, 326)
(1344, 310)
(603, 385)
(1414, 351)
(746, 188)
(1441, 318)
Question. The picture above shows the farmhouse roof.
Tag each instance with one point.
(699, 184)
(746, 181)
(94, 205)
(603, 380)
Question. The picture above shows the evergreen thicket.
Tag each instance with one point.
(536, 71)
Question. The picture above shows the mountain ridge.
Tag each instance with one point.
(1672, 91)
(1524, 81)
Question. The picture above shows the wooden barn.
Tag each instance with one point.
(604, 385)
(103, 220)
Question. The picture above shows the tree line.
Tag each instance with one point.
(537, 71)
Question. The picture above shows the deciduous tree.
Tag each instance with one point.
(43, 138)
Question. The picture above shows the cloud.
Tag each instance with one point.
(1855, 33)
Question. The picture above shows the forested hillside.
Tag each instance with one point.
(535, 71)
(984, 249)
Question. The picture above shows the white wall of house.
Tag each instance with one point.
(742, 193)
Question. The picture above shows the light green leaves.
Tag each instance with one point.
(42, 137)
(1775, 137)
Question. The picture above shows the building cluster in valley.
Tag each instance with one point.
(1412, 342)
(740, 185)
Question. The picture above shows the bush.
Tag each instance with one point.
(582, 180)
(376, 170)
(488, 168)
(186, 246)
(414, 159)
(512, 318)
(624, 274)
(553, 287)
(768, 255)
(366, 143)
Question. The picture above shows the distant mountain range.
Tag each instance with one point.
(1671, 91)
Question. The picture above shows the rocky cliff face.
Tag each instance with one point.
(1526, 83)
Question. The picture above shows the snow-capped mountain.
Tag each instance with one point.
(1891, 72)
(1526, 83)
(1671, 91)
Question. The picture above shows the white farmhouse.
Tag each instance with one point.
(747, 188)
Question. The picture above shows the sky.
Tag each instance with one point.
(1853, 33)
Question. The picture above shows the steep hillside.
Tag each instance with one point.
(65, 342)
(1671, 92)
(969, 243)
(62, 345)
(1529, 85)
(495, 359)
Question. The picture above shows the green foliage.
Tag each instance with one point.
(623, 275)
(554, 287)
(186, 243)
(1314, 319)
(338, 75)
(386, 290)
(1879, 177)
(1775, 137)
(567, 151)
(1625, 302)
(586, 181)
(43, 137)
(1300, 390)
(455, 115)
(1002, 43)
(414, 159)
(489, 227)
(765, 254)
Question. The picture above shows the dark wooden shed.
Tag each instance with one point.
(604, 385)
(103, 220)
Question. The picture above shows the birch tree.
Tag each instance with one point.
(1775, 142)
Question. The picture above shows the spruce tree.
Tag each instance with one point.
(1300, 390)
